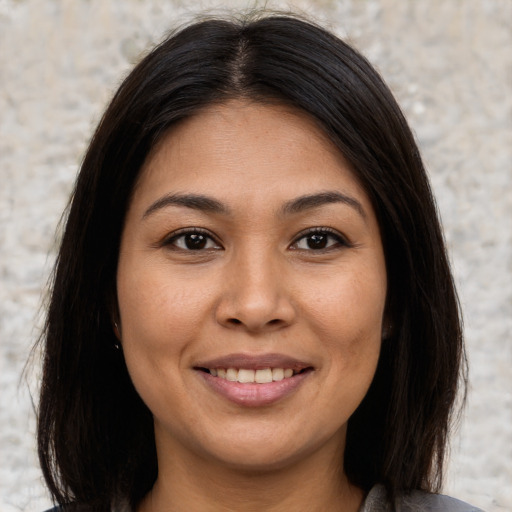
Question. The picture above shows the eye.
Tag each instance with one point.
(192, 240)
(319, 239)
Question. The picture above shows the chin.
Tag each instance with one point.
(266, 452)
(253, 463)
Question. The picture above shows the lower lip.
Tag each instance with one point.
(254, 395)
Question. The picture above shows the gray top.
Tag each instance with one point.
(376, 501)
(416, 501)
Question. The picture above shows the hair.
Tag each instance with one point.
(95, 435)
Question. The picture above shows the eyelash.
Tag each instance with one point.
(340, 240)
(208, 238)
(171, 240)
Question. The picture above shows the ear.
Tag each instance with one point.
(388, 319)
(117, 330)
(387, 328)
(113, 309)
(387, 324)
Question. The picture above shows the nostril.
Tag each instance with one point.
(236, 321)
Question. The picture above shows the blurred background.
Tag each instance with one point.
(449, 62)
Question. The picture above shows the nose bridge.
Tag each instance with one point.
(255, 293)
(256, 268)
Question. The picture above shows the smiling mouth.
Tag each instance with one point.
(249, 380)
(250, 376)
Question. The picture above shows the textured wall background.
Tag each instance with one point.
(450, 65)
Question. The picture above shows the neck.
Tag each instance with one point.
(316, 483)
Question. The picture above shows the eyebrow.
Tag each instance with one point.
(311, 201)
(297, 205)
(193, 201)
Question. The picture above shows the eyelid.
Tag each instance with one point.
(342, 239)
(167, 241)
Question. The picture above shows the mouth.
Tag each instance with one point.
(254, 381)
(252, 376)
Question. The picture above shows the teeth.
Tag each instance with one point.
(245, 376)
(232, 374)
(248, 376)
(277, 374)
(263, 376)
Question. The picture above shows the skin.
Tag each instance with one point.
(255, 287)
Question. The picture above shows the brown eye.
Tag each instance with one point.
(195, 242)
(192, 241)
(319, 239)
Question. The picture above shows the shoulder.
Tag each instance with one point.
(423, 501)
(73, 507)
(416, 501)
(119, 505)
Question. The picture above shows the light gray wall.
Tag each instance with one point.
(449, 63)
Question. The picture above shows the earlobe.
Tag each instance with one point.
(113, 308)
(117, 331)
(387, 330)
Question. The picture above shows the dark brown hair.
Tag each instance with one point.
(95, 435)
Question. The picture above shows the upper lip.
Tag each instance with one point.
(254, 362)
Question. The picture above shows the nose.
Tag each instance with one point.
(255, 295)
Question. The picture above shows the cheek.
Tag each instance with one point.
(156, 326)
(350, 304)
(156, 308)
(346, 313)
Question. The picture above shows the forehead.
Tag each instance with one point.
(258, 151)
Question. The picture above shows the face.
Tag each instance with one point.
(251, 288)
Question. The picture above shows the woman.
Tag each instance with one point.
(252, 305)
